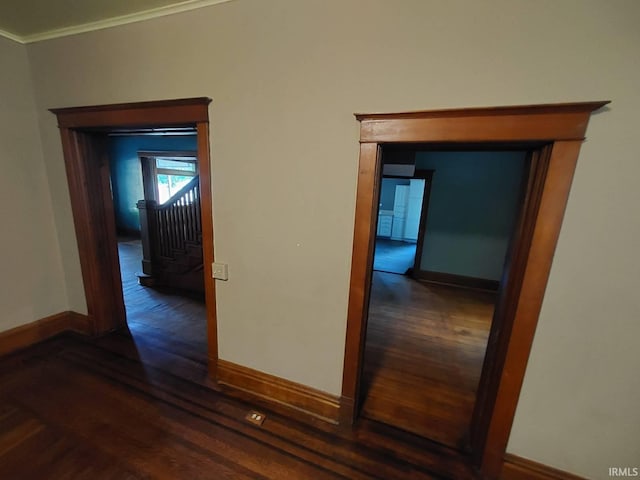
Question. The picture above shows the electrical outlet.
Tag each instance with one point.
(220, 271)
(256, 418)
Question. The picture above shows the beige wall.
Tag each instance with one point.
(31, 284)
(287, 75)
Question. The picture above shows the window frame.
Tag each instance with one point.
(150, 170)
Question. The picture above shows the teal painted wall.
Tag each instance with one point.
(472, 210)
(126, 173)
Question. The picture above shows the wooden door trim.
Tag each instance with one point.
(424, 215)
(100, 274)
(561, 127)
(206, 211)
(163, 113)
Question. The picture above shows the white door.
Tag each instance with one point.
(399, 212)
(414, 208)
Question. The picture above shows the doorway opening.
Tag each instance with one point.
(86, 134)
(428, 326)
(402, 210)
(553, 134)
(154, 186)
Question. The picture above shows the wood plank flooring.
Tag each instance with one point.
(160, 312)
(423, 357)
(117, 407)
(139, 404)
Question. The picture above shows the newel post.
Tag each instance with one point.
(147, 224)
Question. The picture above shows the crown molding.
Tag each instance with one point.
(113, 22)
(11, 36)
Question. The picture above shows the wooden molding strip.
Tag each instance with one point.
(457, 280)
(80, 323)
(498, 124)
(262, 386)
(571, 107)
(35, 332)
(518, 468)
(173, 113)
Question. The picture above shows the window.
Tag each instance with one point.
(165, 173)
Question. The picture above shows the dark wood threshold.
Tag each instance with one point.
(518, 468)
(271, 395)
(452, 279)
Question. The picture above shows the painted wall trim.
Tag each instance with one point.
(40, 330)
(293, 396)
(518, 468)
(11, 36)
(113, 22)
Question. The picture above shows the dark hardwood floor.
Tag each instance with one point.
(138, 403)
(163, 318)
(160, 312)
(423, 357)
(122, 407)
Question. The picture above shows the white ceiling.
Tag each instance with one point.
(32, 20)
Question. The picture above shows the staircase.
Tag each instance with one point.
(172, 241)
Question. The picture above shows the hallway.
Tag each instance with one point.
(423, 357)
(176, 321)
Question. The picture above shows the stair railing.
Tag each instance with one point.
(166, 229)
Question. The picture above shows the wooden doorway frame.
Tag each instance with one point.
(427, 176)
(82, 130)
(555, 134)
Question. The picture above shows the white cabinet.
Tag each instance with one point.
(403, 222)
(385, 221)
